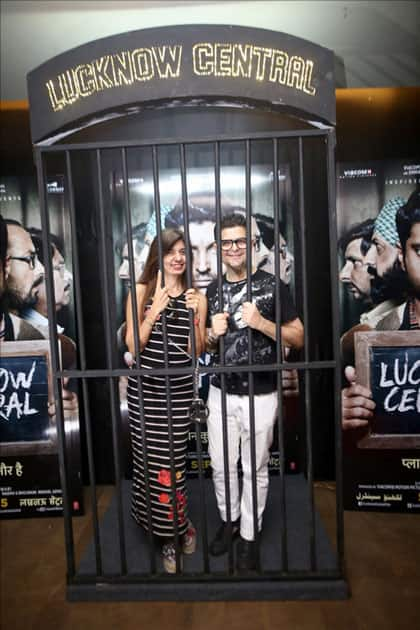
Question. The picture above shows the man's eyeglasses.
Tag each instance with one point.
(228, 243)
(30, 260)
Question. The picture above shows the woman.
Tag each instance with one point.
(152, 300)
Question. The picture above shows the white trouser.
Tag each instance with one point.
(239, 442)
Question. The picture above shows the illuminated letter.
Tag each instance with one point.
(103, 81)
(203, 59)
(279, 67)
(121, 67)
(223, 60)
(57, 102)
(69, 87)
(142, 64)
(307, 87)
(241, 64)
(261, 54)
(296, 72)
(84, 78)
(167, 60)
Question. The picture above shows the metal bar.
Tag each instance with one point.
(279, 355)
(267, 576)
(133, 297)
(337, 351)
(184, 140)
(55, 362)
(251, 390)
(203, 519)
(314, 365)
(104, 240)
(308, 413)
(222, 355)
(165, 350)
(83, 363)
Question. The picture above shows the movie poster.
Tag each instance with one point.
(379, 277)
(29, 467)
(200, 184)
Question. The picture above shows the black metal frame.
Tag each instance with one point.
(312, 583)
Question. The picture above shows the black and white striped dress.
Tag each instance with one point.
(156, 400)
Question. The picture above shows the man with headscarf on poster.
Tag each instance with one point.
(389, 282)
(357, 404)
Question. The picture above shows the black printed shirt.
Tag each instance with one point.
(263, 348)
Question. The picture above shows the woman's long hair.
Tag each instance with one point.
(151, 267)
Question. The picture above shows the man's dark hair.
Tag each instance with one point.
(406, 216)
(138, 233)
(197, 213)
(363, 230)
(266, 227)
(36, 236)
(229, 221)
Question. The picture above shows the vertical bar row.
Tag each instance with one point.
(194, 358)
(308, 413)
(222, 355)
(83, 363)
(55, 361)
(336, 337)
(249, 268)
(133, 297)
(165, 351)
(105, 240)
(279, 358)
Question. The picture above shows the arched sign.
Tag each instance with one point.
(181, 62)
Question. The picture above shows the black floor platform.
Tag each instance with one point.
(193, 584)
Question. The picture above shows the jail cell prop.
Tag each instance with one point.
(296, 558)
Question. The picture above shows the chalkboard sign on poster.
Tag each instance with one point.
(389, 364)
(25, 425)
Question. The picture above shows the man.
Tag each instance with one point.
(201, 217)
(22, 291)
(12, 328)
(388, 284)
(38, 314)
(266, 227)
(26, 273)
(357, 404)
(231, 318)
(359, 261)
(407, 315)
